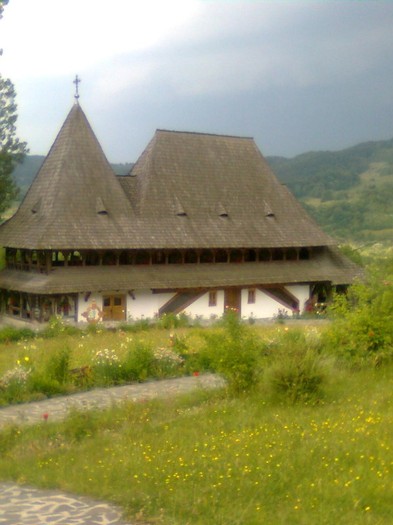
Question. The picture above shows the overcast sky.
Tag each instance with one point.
(295, 75)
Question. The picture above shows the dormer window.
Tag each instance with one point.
(37, 206)
(222, 212)
(268, 211)
(100, 207)
(179, 210)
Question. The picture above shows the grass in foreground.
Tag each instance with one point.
(209, 459)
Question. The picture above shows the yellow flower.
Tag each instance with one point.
(27, 359)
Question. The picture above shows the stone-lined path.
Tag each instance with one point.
(57, 408)
(28, 506)
(20, 505)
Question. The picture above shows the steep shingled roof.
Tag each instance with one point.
(187, 190)
(75, 199)
(225, 189)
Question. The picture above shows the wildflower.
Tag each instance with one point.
(45, 416)
(106, 357)
(17, 375)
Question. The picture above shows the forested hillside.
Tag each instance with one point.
(348, 192)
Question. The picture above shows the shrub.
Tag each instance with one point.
(44, 385)
(57, 367)
(362, 331)
(166, 362)
(234, 352)
(14, 384)
(107, 369)
(171, 320)
(138, 364)
(56, 326)
(298, 376)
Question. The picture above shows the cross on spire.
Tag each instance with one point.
(77, 81)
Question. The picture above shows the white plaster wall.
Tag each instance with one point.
(301, 292)
(146, 304)
(201, 308)
(264, 307)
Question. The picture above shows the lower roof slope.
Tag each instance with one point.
(329, 266)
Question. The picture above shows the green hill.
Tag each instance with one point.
(348, 192)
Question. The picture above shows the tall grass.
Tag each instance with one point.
(207, 458)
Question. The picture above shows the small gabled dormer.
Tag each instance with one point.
(178, 207)
(268, 212)
(100, 207)
(36, 207)
(222, 211)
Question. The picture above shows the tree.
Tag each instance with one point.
(12, 150)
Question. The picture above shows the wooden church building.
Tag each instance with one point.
(200, 225)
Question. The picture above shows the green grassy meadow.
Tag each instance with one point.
(209, 458)
(212, 457)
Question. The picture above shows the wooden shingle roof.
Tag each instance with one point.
(75, 199)
(227, 191)
(187, 190)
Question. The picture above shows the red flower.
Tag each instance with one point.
(45, 416)
(195, 374)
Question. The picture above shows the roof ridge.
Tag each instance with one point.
(203, 133)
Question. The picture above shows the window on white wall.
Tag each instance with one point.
(213, 298)
(251, 296)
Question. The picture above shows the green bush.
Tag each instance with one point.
(166, 363)
(362, 329)
(14, 384)
(234, 352)
(56, 326)
(298, 376)
(107, 368)
(58, 365)
(43, 385)
(138, 364)
(171, 321)
(296, 366)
